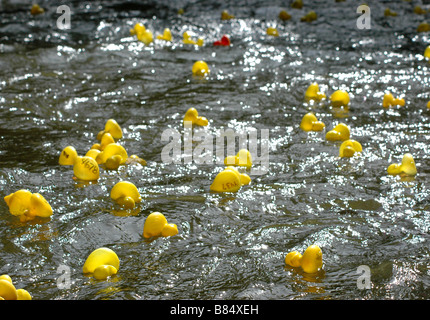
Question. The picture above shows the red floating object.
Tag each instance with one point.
(225, 41)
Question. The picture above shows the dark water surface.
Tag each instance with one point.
(58, 88)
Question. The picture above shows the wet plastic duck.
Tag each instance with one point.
(229, 180)
(427, 53)
(142, 33)
(167, 35)
(156, 225)
(192, 115)
(339, 98)
(310, 261)
(242, 159)
(9, 292)
(113, 151)
(84, 168)
(27, 205)
(423, 27)
(272, 32)
(113, 128)
(309, 17)
(340, 132)
(102, 263)
(311, 123)
(389, 13)
(125, 194)
(186, 38)
(407, 167)
(349, 148)
(313, 93)
(36, 9)
(297, 4)
(200, 68)
(284, 15)
(225, 41)
(389, 101)
(226, 16)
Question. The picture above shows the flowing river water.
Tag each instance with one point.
(59, 87)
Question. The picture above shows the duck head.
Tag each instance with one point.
(156, 225)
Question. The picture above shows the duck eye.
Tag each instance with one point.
(65, 154)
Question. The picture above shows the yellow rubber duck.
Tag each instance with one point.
(167, 35)
(101, 263)
(428, 105)
(9, 292)
(186, 38)
(193, 116)
(339, 98)
(242, 159)
(407, 167)
(340, 132)
(311, 123)
(125, 194)
(348, 148)
(427, 53)
(310, 261)
(113, 128)
(226, 16)
(36, 9)
(229, 180)
(423, 27)
(112, 150)
(389, 101)
(313, 93)
(309, 17)
(297, 4)
(156, 225)
(27, 205)
(181, 11)
(419, 10)
(389, 13)
(272, 32)
(284, 15)
(84, 168)
(138, 28)
(200, 68)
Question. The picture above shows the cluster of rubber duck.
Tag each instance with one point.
(341, 132)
